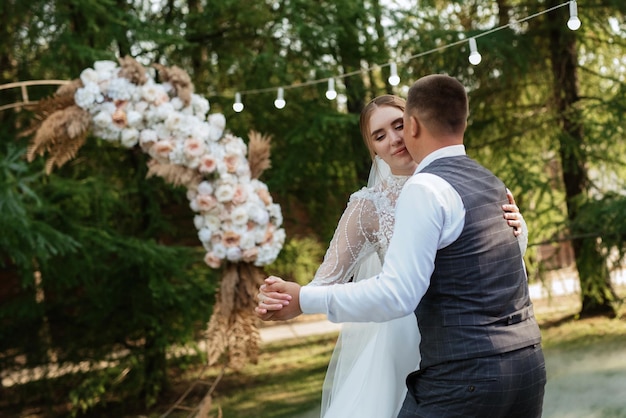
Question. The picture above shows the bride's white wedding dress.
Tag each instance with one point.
(367, 371)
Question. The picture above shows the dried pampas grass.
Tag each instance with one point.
(174, 174)
(258, 153)
(62, 99)
(179, 79)
(132, 70)
(60, 135)
(232, 334)
(66, 91)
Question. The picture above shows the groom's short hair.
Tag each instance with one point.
(440, 102)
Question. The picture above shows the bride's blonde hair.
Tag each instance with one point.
(364, 123)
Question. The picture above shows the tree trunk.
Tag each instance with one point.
(596, 291)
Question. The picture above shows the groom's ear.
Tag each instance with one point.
(414, 127)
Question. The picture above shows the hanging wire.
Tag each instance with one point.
(280, 90)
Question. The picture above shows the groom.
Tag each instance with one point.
(454, 262)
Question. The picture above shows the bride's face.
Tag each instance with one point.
(387, 140)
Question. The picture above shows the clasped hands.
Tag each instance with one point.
(278, 300)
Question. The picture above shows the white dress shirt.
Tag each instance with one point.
(430, 215)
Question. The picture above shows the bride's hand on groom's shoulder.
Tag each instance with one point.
(276, 300)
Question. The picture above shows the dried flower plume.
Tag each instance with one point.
(258, 153)
(132, 71)
(179, 79)
(60, 136)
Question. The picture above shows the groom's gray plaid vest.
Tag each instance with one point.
(477, 303)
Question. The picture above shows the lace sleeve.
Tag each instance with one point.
(354, 239)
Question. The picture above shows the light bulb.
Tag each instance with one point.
(574, 22)
(280, 101)
(474, 58)
(331, 93)
(394, 80)
(237, 106)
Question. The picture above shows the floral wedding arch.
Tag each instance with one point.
(238, 224)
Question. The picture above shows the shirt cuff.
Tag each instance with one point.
(313, 299)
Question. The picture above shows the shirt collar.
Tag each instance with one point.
(449, 151)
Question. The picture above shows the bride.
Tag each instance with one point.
(367, 371)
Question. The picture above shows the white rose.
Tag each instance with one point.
(88, 76)
(239, 216)
(240, 229)
(140, 106)
(201, 131)
(102, 119)
(129, 137)
(191, 194)
(233, 254)
(258, 214)
(225, 193)
(147, 138)
(205, 234)
(173, 121)
(205, 188)
(275, 212)
(212, 222)
(236, 147)
(219, 250)
(218, 120)
(134, 119)
(247, 240)
(279, 237)
(108, 107)
(177, 103)
(217, 123)
(120, 89)
(105, 66)
(108, 133)
(200, 105)
(198, 222)
(153, 93)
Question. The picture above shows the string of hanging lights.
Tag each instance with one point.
(474, 58)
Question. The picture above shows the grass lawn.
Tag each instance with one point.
(585, 359)
(288, 378)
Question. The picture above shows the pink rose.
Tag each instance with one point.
(231, 239)
(162, 149)
(231, 162)
(193, 148)
(250, 255)
(205, 202)
(212, 261)
(207, 164)
(240, 195)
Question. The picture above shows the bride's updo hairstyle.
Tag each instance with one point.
(366, 114)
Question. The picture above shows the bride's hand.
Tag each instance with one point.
(271, 301)
(512, 214)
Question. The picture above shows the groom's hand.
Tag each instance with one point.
(271, 301)
(274, 285)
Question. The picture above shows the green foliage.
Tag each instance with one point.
(25, 239)
(114, 281)
(299, 260)
(119, 260)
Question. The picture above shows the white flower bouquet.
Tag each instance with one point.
(235, 216)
